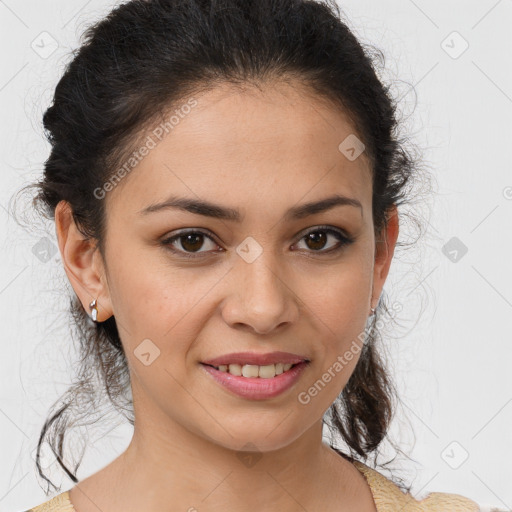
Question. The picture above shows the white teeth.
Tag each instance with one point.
(267, 372)
(235, 369)
(253, 370)
(250, 370)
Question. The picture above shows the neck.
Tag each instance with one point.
(205, 475)
(175, 469)
(169, 467)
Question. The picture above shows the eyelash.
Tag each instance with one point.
(343, 240)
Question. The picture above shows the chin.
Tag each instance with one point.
(256, 439)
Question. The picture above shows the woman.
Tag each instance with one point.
(225, 179)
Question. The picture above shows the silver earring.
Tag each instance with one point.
(94, 311)
(373, 311)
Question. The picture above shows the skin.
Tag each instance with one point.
(262, 152)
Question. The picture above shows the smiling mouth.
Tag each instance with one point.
(253, 370)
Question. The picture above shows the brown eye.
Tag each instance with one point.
(317, 240)
(190, 241)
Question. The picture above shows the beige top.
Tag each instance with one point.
(387, 495)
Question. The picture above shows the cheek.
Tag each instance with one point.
(160, 313)
(160, 303)
(339, 315)
(339, 301)
(330, 373)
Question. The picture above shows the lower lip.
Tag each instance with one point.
(256, 388)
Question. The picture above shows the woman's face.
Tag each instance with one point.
(258, 272)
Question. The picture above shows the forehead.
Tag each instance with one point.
(274, 143)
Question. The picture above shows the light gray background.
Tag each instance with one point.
(452, 356)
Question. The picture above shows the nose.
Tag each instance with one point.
(260, 297)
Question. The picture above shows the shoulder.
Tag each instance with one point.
(389, 497)
(59, 503)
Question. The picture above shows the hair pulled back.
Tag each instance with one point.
(141, 61)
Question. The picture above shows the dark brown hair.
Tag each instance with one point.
(145, 56)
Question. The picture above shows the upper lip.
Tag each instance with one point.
(256, 359)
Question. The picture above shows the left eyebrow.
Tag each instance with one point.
(304, 210)
(216, 211)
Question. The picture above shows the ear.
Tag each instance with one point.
(83, 263)
(384, 250)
